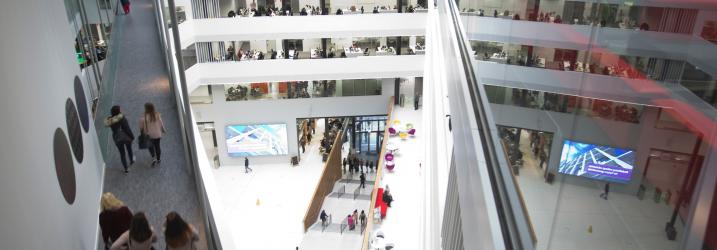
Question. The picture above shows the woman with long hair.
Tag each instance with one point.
(114, 219)
(121, 134)
(151, 124)
(140, 235)
(178, 234)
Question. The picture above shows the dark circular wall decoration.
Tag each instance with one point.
(64, 166)
(74, 130)
(81, 101)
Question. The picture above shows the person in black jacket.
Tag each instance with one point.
(121, 134)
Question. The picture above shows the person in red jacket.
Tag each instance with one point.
(114, 218)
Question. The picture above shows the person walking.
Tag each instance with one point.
(151, 124)
(140, 235)
(362, 219)
(363, 180)
(121, 134)
(415, 102)
(178, 234)
(125, 6)
(350, 221)
(607, 190)
(246, 165)
(355, 216)
(115, 218)
(323, 217)
(303, 145)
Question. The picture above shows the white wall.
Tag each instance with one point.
(289, 27)
(34, 214)
(365, 67)
(580, 84)
(224, 113)
(703, 16)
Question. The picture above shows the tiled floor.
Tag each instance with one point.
(563, 213)
(402, 223)
(266, 207)
(142, 77)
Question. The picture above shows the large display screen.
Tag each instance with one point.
(597, 162)
(256, 140)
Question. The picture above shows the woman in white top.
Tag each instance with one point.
(178, 234)
(152, 125)
(140, 235)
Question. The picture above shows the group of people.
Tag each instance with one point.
(539, 144)
(122, 229)
(354, 218)
(151, 131)
(351, 220)
(307, 134)
(355, 164)
(307, 10)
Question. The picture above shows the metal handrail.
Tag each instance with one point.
(504, 197)
(357, 191)
(341, 191)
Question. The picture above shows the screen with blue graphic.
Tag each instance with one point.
(597, 162)
(256, 140)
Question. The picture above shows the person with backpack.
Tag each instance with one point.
(121, 134)
(363, 180)
(151, 125)
(323, 217)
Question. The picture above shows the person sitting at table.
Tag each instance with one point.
(339, 11)
(645, 27)
(387, 197)
(231, 13)
(272, 54)
(230, 52)
(410, 9)
(239, 55)
(375, 10)
(303, 12)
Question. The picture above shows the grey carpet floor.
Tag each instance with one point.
(142, 77)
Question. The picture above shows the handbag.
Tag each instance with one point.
(143, 140)
(121, 136)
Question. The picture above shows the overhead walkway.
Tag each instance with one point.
(282, 27)
(365, 67)
(141, 77)
(692, 49)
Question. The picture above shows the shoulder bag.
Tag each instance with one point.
(143, 140)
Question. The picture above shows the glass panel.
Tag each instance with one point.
(626, 91)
